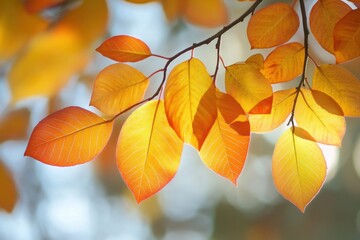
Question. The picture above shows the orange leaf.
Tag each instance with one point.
(256, 61)
(140, 1)
(321, 116)
(298, 167)
(16, 31)
(226, 146)
(341, 85)
(124, 48)
(8, 191)
(190, 101)
(323, 17)
(273, 25)
(284, 63)
(281, 108)
(56, 55)
(248, 86)
(210, 13)
(35, 6)
(347, 37)
(148, 150)
(13, 126)
(173, 9)
(69, 137)
(118, 87)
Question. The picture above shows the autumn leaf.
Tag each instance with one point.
(248, 86)
(14, 125)
(8, 191)
(320, 115)
(298, 167)
(148, 150)
(323, 17)
(118, 87)
(284, 63)
(190, 101)
(272, 25)
(57, 54)
(69, 137)
(35, 6)
(347, 37)
(256, 61)
(213, 12)
(124, 48)
(341, 85)
(226, 146)
(16, 31)
(281, 108)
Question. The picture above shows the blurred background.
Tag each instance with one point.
(48, 62)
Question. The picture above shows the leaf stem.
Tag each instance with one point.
(303, 76)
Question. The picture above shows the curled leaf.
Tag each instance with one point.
(124, 48)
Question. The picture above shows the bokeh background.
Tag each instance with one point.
(90, 201)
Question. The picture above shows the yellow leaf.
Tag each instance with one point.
(54, 56)
(272, 26)
(210, 13)
(118, 87)
(8, 191)
(347, 37)
(256, 61)
(190, 101)
(281, 108)
(323, 17)
(13, 126)
(284, 63)
(69, 137)
(341, 85)
(226, 146)
(248, 86)
(298, 167)
(124, 48)
(321, 116)
(16, 27)
(173, 9)
(148, 150)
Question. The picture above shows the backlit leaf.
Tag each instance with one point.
(341, 85)
(347, 37)
(13, 126)
(117, 87)
(210, 13)
(248, 86)
(256, 61)
(8, 191)
(190, 103)
(69, 137)
(298, 167)
(148, 150)
(281, 108)
(272, 25)
(284, 63)
(34, 6)
(225, 148)
(320, 115)
(124, 48)
(323, 17)
(56, 55)
(16, 27)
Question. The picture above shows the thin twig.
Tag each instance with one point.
(217, 46)
(207, 41)
(303, 76)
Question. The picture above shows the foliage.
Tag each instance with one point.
(191, 108)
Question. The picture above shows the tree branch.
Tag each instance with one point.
(306, 46)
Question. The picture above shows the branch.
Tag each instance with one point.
(207, 41)
(306, 46)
